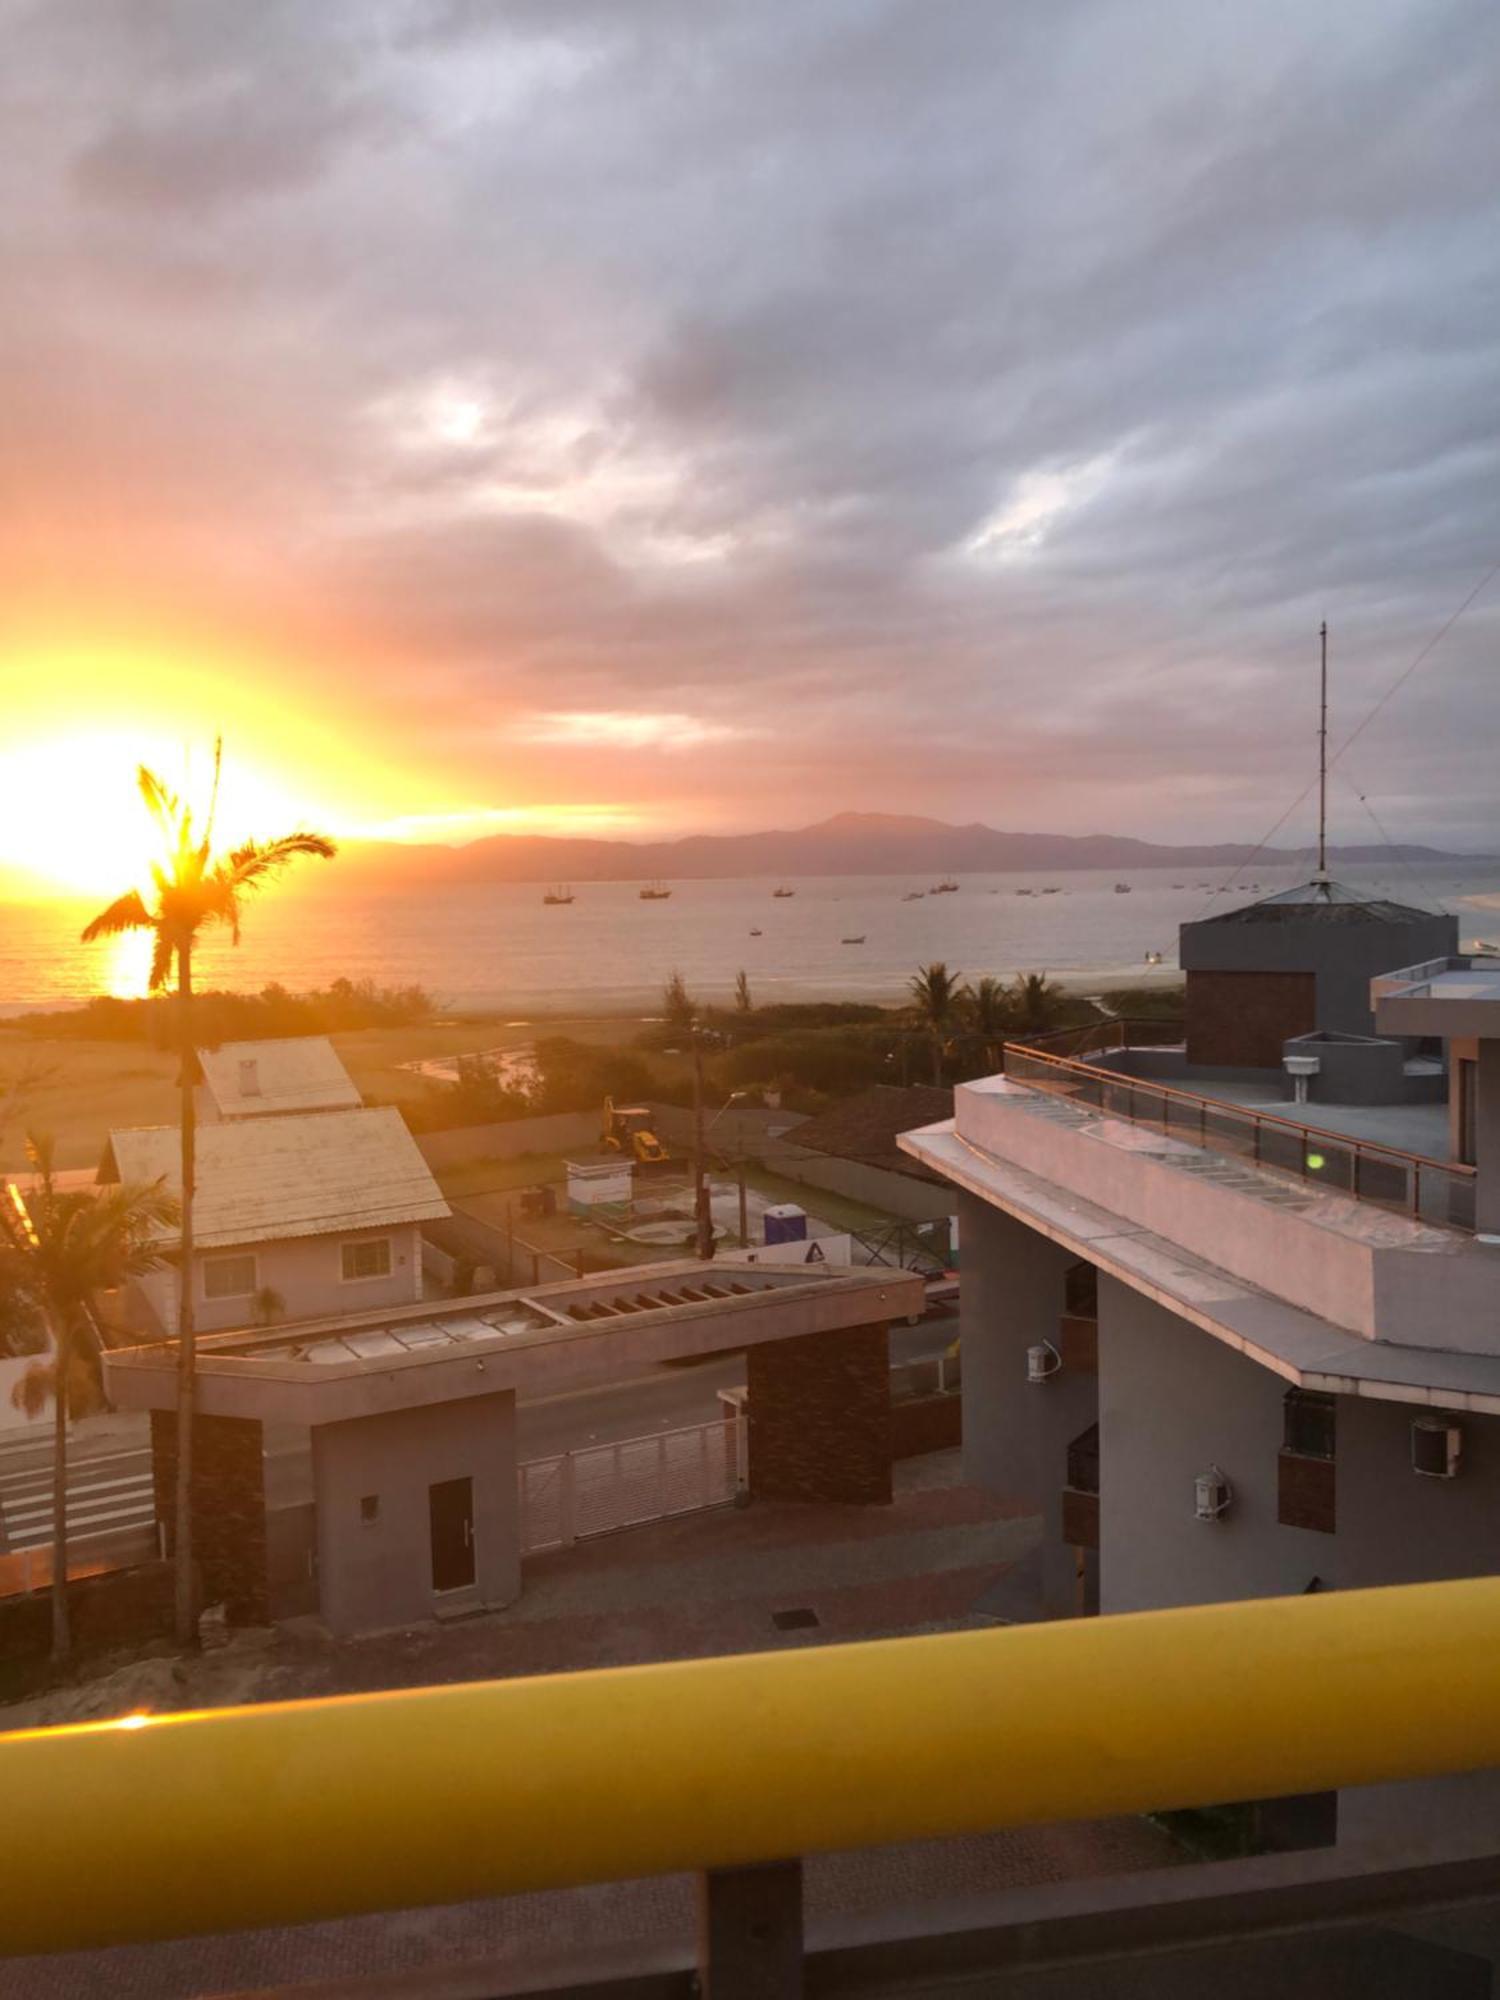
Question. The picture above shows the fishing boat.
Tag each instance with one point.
(558, 895)
(947, 887)
(858, 940)
(1122, 888)
(1026, 892)
(755, 933)
(654, 892)
(914, 895)
(783, 891)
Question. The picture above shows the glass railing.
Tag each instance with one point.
(1435, 1191)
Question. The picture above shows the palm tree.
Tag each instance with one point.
(934, 991)
(989, 1014)
(1038, 1001)
(194, 889)
(742, 999)
(678, 1005)
(58, 1251)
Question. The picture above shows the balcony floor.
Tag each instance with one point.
(1410, 1128)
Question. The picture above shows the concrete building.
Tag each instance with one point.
(272, 1079)
(411, 1415)
(1232, 1346)
(324, 1212)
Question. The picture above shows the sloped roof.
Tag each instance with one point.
(1322, 902)
(263, 1179)
(864, 1128)
(262, 1079)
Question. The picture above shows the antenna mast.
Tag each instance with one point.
(1323, 759)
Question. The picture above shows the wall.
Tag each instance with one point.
(305, 1270)
(1239, 1016)
(373, 1577)
(819, 1410)
(1011, 1296)
(769, 1137)
(126, 1607)
(229, 1508)
(1172, 1402)
(562, 1132)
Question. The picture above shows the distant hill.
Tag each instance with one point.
(847, 844)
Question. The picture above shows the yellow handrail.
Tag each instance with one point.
(158, 1827)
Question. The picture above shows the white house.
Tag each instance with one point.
(324, 1212)
(271, 1079)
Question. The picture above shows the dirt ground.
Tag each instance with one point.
(81, 1091)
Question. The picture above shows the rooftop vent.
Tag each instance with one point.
(249, 1077)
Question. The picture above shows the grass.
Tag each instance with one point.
(473, 1177)
(837, 1210)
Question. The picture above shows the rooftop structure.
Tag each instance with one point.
(270, 1078)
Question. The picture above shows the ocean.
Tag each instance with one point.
(501, 949)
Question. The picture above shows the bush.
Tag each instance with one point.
(243, 1017)
(572, 1076)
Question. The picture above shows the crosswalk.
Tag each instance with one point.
(106, 1491)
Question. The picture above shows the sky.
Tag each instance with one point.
(637, 416)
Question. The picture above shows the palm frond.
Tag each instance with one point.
(164, 806)
(161, 961)
(126, 913)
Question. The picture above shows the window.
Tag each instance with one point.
(370, 1259)
(369, 1509)
(228, 1277)
(1308, 1422)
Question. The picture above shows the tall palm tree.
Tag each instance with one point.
(989, 1014)
(55, 1254)
(934, 991)
(1039, 1002)
(195, 888)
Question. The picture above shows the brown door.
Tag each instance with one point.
(451, 1509)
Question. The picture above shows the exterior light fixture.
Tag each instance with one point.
(1042, 1362)
(1212, 1495)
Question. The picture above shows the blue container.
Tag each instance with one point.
(786, 1223)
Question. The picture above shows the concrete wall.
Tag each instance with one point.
(1172, 1402)
(306, 1271)
(1343, 957)
(562, 1132)
(896, 1194)
(378, 1575)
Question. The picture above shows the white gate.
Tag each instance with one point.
(606, 1486)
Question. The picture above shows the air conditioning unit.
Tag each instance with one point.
(1042, 1361)
(1436, 1446)
(1212, 1495)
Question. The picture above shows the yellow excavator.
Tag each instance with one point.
(627, 1129)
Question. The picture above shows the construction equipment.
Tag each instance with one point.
(627, 1129)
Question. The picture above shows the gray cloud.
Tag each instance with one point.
(995, 397)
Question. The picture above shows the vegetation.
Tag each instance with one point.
(73, 1243)
(572, 1076)
(935, 995)
(743, 1003)
(195, 888)
(678, 1006)
(242, 1017)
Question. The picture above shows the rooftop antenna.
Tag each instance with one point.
(1322, 874)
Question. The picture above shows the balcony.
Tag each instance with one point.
(1442, 997)
(735, 1767)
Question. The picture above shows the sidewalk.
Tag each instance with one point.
(704, 1584)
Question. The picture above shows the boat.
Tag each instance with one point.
(755, 933)
(1122, 888)
(914, 895)
(783, 891)
(654, 892)
(947, 887)
(1052, 892)
(858, 940)
(558, 895)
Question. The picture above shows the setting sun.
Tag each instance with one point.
(104, 841)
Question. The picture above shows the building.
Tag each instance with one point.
(419, 1501)
(294, 1217)
(272, 1079)
(1232, 1345)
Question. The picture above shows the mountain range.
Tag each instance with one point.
(850, 843)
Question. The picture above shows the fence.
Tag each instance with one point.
(575, 1494)
(1433, 1190)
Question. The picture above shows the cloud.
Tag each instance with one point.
(967, 409)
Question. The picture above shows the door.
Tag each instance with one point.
(451, 1508)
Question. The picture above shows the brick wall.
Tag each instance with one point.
(926, 1423)
(819, 1412)
(229, 1509)
(1241, 1019)
(125, 1607)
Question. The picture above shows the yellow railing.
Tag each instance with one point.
(157, 1827)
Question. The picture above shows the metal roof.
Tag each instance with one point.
(262, 1179)
(1324, 901)
(262, 1079)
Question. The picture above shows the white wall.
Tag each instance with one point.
(306, 1271)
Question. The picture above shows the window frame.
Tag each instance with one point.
(358, 1243)
(210, 1263)
(1301, 1412)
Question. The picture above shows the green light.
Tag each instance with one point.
(1315, 1163)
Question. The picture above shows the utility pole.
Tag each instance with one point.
(1323, 759)
(744, 1214)
(702, 1210)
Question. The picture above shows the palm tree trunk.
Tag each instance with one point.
(185, 1606)
(937, 1058)
(61, 1637)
